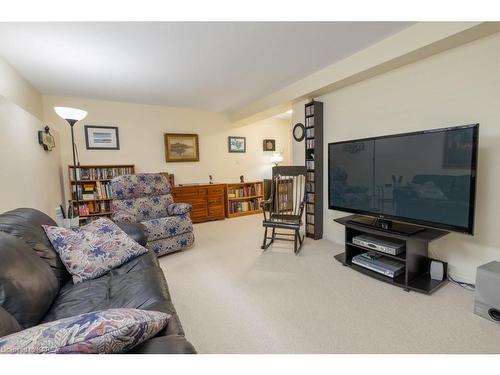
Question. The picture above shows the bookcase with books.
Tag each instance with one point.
(93, 187)
(244, 198)
(314, 166)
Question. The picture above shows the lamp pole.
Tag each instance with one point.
(72, 116)
(71, 124)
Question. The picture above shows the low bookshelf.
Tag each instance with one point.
(244, 198)
(93, 187)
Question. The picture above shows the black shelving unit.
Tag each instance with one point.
(415, 257)
(314, 165)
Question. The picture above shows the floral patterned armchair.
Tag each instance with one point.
(145, 198)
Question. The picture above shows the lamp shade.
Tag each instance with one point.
(69, 113)
(276, 158)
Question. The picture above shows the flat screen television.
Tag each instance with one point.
(426, 178)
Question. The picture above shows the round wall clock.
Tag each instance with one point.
(299, 132)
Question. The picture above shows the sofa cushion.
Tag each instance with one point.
(94, 249)
(8, 324)
(139, 284)
(139, 185)
(142, 208)
(100, 332)
(26, 224)
(135, 231)
(167, 227)
(173, 344)
(27, 284)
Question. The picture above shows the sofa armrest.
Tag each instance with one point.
(135, 231)
(172, 344)
(178, 209)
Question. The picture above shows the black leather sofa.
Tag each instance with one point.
(35, 286)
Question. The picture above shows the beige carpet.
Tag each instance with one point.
(233, 298)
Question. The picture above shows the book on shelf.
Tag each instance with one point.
(310, 228)
(310, 197)
(310, 208)
(310, 164)
(92, 208)
(102, 173)
(309, 110)
(92, 191)
(244, 206)
(309, 122)
(245, 191)
(310, 132)
(310, 176)
(310, 218)
(309, 144)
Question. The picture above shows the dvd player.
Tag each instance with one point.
(380, 264)
(379, 244)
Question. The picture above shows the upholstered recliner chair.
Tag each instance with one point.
(145, 198)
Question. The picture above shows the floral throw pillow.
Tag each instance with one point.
(94, 249)
(101, 332)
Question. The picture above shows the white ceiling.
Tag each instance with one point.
(215, 66)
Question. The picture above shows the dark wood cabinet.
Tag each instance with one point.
(314, 165)
(207, 201)
(415, 257)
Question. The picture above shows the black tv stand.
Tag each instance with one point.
(416, 241)
(387, 225)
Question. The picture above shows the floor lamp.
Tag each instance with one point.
(72, 116)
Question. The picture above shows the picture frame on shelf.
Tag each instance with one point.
(181, 147)
(236, 144)
(269, 145)
(101, 137)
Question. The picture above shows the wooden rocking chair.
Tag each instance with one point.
(285, 207)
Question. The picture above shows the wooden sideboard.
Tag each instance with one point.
(207, 201)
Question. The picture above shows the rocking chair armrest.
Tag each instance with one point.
(265, 203)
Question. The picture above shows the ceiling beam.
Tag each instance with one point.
(417, 42)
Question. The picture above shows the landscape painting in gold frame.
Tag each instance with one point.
(181, 147)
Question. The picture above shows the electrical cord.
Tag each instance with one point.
(463, 284)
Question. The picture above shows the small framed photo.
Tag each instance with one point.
(181, 147)
(236, 144)
(101, 137)
(269, 145)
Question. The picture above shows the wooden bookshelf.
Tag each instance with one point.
(244, 198)
(314, 166)
(94, 188)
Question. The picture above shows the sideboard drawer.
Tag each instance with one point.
(216, 211)
(216, 190)
(215, 201)
(207, 201)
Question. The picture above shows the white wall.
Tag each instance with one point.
(455, 87)
(141, 129)
(16, 89)
(30, 176)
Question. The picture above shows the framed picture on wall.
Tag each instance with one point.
(236, 144)
(269, 145)
(101, 137)
(181, 147)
